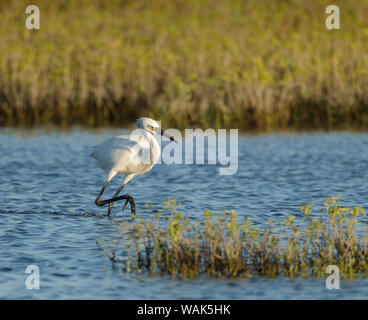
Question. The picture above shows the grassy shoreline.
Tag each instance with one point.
(255, 65)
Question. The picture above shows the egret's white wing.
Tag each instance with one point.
(120, 153)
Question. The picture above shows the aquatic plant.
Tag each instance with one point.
(255, 64)
(173, 244)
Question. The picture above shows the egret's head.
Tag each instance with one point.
(147, 124)
(152, 126)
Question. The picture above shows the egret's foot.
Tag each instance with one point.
(131, 202)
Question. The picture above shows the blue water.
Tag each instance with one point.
(48, 218)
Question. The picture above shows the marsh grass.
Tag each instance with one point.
(255, 64)
(172, 244)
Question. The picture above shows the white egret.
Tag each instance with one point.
(123, 155)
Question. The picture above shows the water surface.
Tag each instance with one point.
(48, 184)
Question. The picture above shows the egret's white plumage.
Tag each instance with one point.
(124, 154)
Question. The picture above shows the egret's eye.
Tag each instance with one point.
(150, 127)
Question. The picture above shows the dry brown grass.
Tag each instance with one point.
(252, 64)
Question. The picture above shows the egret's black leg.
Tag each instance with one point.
(115, 195)
(126, 197)
(98, 201)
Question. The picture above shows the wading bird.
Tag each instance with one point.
(124, 155)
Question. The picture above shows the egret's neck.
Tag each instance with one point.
(154, 148)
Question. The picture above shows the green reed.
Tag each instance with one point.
(255, 64)
(173, 244)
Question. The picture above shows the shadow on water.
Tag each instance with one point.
(84, 214)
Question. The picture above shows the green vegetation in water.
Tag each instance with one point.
(175, 245)
(255, 64)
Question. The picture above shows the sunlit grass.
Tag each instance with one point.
(254, 64)
(173, 244)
